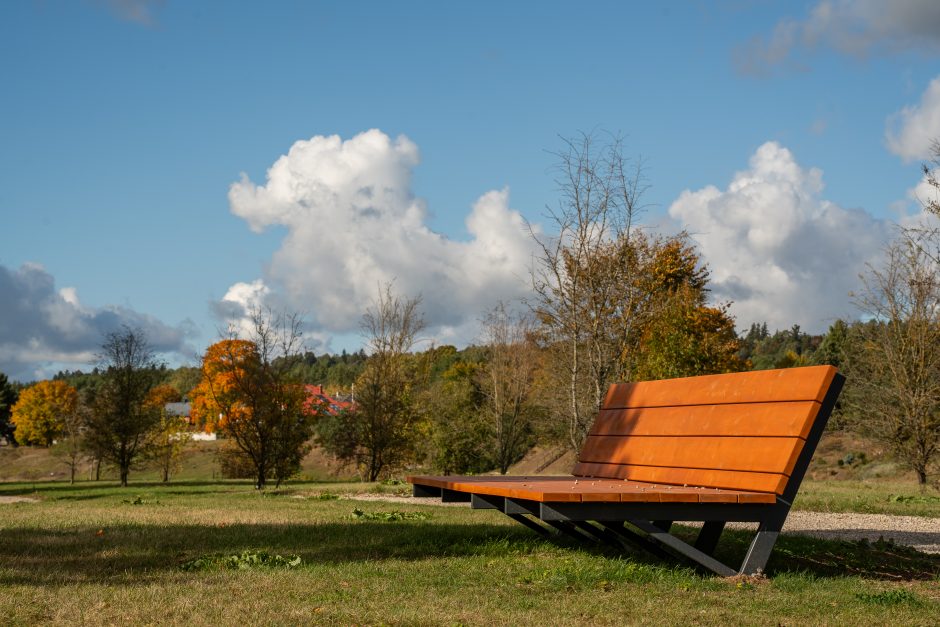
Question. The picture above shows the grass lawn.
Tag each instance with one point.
(221, 553)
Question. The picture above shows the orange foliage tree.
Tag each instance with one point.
(214, 400)
(249, 392)
(42, 412)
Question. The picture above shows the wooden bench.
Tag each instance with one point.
(715, 449)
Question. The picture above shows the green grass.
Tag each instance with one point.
(897, 498)
(221, 553)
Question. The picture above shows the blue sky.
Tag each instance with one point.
(791, 132)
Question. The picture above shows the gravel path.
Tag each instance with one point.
(916, 531)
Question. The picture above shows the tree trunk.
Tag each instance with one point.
(72, 473)
(98, 469)
(124, 473)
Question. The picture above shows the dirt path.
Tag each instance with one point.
(16, 499)
(916, 531)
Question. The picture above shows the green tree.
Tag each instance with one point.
(382, 431)
(171, 433)
(8, 398)
(121, 421)
(831, 350)
(461, 441)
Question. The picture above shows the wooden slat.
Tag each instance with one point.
(790, 384)
(785, 419)
(770, 455)
(732, 480)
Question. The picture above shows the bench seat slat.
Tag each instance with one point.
(793, 384)
(783, 419)
(731, 480)
(571, 489)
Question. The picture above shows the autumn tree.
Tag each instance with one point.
(121, 420)
(171, 433)
(8, 398)
(381, 432)
(682, 334)
(893, 362)
(42, 410)
(507, 383)
(248, 383)
(583, 276)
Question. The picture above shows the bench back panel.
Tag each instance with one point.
(740, 431)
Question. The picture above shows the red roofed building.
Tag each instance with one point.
(332, 405)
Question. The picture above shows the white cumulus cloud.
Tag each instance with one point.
(353, 223)
(855, 27)
(912, 130)
(776, 248)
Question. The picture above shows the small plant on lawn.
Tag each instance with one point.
(392, 516)
(246, 560)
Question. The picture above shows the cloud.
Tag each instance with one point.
(354, 223)
(910, 132)
(139, 11)
(853, 27)
(782, 253)
(42, 329)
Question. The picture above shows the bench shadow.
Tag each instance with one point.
(834, 557)
(140, 554)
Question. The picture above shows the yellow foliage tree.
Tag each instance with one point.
(42, 410)
(171, 432)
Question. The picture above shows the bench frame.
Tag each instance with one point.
(647, 524)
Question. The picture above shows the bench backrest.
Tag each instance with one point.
(740, 431)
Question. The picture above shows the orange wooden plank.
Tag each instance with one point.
(772, 454)
(762, 482)
(789, 384)
(751, 481)
(783, 419)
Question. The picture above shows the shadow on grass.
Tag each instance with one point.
(138, 554)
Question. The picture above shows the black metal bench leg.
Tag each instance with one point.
(759, 552)
(708, 537)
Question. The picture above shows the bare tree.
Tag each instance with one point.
(73, 446)
(583, 278)
(895, 362)
(119, 425)
(507, 380)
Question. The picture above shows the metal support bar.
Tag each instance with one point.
(531, 524)
(594, 533)
(634, 538)
(568, 529)
(708, 537)
(486, 501)
(665, 525)
(453, 496)
(521, 506)
(677, 545)
(616, 512)
(424, 491)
